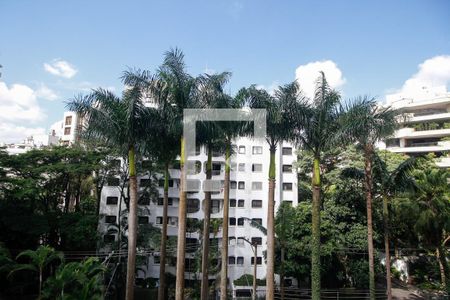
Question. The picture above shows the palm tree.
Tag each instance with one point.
(365, 122)
(180, 87)
(279, 125)
(119, 123)
(318, 122)
(39, 260)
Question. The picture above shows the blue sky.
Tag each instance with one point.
(372, 47)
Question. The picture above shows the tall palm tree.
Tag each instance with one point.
(365, 122)
(180, 88)
(279, 129)
(318, 122)
(210, 94)
(119, 123)
(39, 261)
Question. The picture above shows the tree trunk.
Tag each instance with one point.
(270, 287)
(315, 239)
(368, 188)
(132, 226)
(255, 264)
(162, 263)
(226, 208)
(206, 226)
(282, 273)
(443, 267)
(386, 248)
(181, 242)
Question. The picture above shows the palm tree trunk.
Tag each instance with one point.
(206, 226)
(226, 208)
(368, 187)
(315, 241)
(162, 263)
(255, 264)
(270, 287)
(386, 248)
(282, 273)
(132, 226)
(181, 242)
(40, 282)
(443, 267)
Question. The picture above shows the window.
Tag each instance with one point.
(256, 203)
(109, 238)
(241, 185)
(67, 131)
(112, 200)
(240, 241)
(286, 151)
(257, 220)
(231, 260)
(113, 181)
(232, 221)
(287, 168)
(233, 185)
(68, 120)
(169, 201)
(232, 241)
(241, 150)
(257, 168)
(110, 219)
(256, 185)
(240, 222)
(258, 260)
(241, 203)
(161, 182)
(145, 182)
(159, 220)
(257, 241)
(142, 220)
(216, 168)
(241, 167)
(215, 206)
(240, 260)
(193, 205)
(156, 260)
(257, 150)
(232, 202)
(172, 221)
(287, 186)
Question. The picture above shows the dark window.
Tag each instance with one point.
(191, 245)
(257, 240)
(112, 200)
(142, 220)
(145, 182)
(232, 202)
(287, 168)
(233, 185)
(240, 222)
(159, 220)
(231, 260)
(169, 201)
(110, 219)
(287, 186)
(113, 181)
(241, 185)
(257, 168)
(68, 120)
(241, 203)
(109, 238)
(215, 206)
(232, 221)
(258, 260)
(156, 260)
(161, 182)
(144, 200)
(146, 164)
(240, 260)
(287, 151)
(256, 203)
(257, 220)
(193, 205)
(67, 131)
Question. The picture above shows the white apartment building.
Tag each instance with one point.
(67, 129)
(248, 200)
(425, 125)
(32, 142)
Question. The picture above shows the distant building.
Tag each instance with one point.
(425, 125)
(67, 129)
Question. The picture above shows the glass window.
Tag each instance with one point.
(240, 260)
(109, 238)
(112, 200)
(142, 220)
(241, 167)
(68, 120)
(113, 181)
(287, 168)
(67, 131)
(156, 260)
(232, 241)
(193, 205)
(241, 222)
(169, 201)
(233, 185)
(257, 168)
(215, 206)
(110, 219)
(241, 203)
(241, 185)
(287, 186)
(231, 260)
(256, 185)
(256, 203)
(232, 221)
(160, 182)
(286, 151)
(240, 241)
(258, 260)
(241, 150)
(257, 240)
(257, 150)
(232, 202)
(257, 220)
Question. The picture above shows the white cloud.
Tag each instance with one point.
(46, 93)
(307, 75)
(432, 73)
(60, 68)
(269, 88)
(19, 109)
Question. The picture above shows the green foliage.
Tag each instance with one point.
(247, 280)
